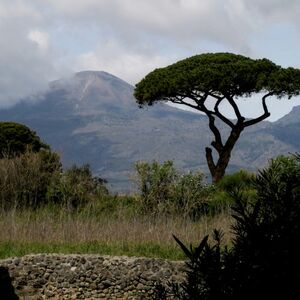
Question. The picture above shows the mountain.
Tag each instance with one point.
(287, 129)
(92, 118)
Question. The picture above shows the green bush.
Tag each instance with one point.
(112, 206)
(76, 187)
(155, 183)
(164, 190)
(241, 181)
(30, 174)
(190, 196)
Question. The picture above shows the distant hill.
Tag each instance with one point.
(92, 118)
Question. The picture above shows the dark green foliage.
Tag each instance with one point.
(31, 175)
(218, 72)
(238, 180)
(264, 260)
(221, 73)
(27, 167)
(33, 179)
(16, 139)
(206, 278)
(268, 232)
(76, 187)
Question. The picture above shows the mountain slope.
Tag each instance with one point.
(93, 118)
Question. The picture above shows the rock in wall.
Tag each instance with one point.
(56, 276)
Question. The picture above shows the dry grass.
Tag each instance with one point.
(61, 226)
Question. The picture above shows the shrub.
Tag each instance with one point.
(241, 181)
(155, 183)
(24, 179)
(76, 186)
(190, 196)
(164, 190)
(264, 260)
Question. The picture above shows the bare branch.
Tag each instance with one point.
(217, 144)
(265, 115)
(221, 116)
(180, 101)
(216, 96)
(216, 111)
(235, 108)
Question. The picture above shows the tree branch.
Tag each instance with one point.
(265, 115)
(180, 101)
(235, 108)
(210, 161)
(217, 144)
(221, 116)
(199, 100)
(217, 112)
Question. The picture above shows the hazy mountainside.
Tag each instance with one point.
(93, 118)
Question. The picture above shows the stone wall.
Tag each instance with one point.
(58, 276)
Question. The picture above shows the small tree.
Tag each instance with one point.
(214, 79)
(16, 139)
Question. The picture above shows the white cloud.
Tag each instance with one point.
(17, 10)
(230, 22)
(27, 62)
(185, 22)
(40, 38)
(114, 58)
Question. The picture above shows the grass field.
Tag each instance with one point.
(57, 230)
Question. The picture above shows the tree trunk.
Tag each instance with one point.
(218, 170)
(221, 166)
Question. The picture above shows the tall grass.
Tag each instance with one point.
(57, 229)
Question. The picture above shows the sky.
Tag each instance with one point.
(43, 40)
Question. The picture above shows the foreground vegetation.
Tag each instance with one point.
(72, 212)
(44, 208)
(263, 261)
(255, 221)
